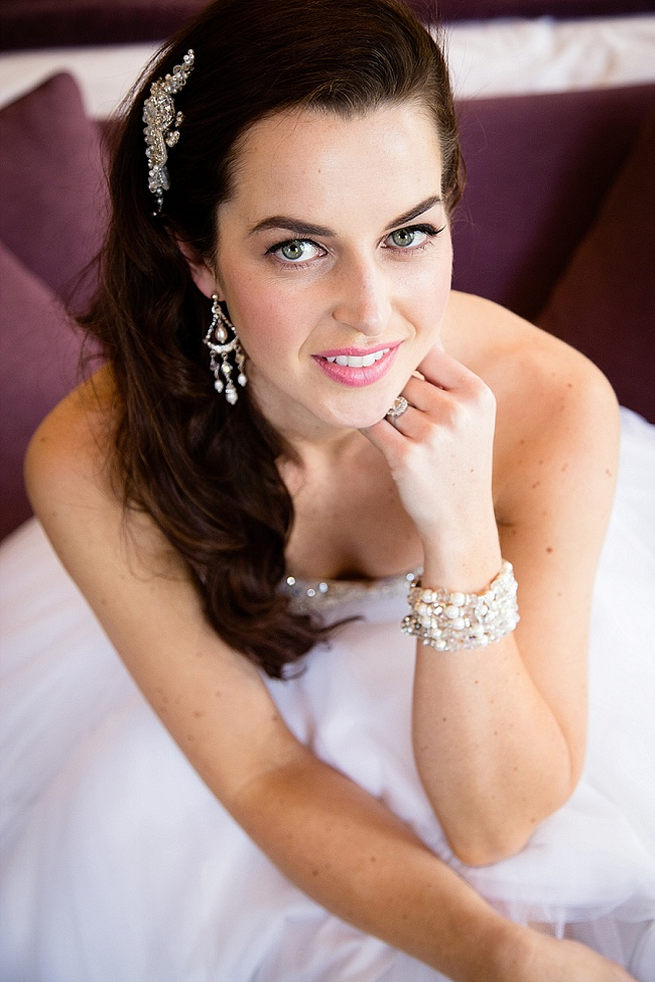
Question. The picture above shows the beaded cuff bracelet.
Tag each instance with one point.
(453, 621)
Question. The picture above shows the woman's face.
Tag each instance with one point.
(334, 258)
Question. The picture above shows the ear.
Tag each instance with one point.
(201, 274)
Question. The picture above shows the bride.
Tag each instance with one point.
(342, 526)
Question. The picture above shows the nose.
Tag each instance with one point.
(363, 300)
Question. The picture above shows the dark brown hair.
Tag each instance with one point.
(206, 471)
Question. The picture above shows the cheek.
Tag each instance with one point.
(443, 279)
(266, 320)
(432, 291)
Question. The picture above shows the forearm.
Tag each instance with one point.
(490, 753)
(355, 858)
(489, 749)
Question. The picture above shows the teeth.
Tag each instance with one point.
(358, 361)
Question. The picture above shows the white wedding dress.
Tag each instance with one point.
(118, 865)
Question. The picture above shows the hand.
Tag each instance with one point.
(440, 454)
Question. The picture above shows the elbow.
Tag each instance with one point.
(489, 846)
(486, 841)
(492, 835)
(486, 827)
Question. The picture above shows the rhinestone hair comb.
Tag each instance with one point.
(162, 125)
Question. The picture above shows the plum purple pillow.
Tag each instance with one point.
(604, 302)
(39, 352)
(52, 212)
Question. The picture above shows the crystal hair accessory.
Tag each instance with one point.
(455, 621)
(162, 122)
(221, 347)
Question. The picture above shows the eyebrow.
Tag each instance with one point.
(303, 229)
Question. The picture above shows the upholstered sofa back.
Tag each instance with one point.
(556, 222)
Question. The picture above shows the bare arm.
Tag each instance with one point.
(333, 840)
(499, 732)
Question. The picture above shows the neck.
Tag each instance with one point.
(308, 437)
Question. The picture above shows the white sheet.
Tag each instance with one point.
(487, 58)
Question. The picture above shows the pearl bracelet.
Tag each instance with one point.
(453, 621)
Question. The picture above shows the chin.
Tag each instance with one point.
(360, 418)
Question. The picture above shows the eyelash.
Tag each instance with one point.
(428, 230)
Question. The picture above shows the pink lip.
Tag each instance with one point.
(356, 377)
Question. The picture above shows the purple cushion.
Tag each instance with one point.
(51, 184)
(604, 304)
(38, 366)
(538, 168)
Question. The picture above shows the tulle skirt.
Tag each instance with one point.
(119, 864)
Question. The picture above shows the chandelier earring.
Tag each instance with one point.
(222, 340)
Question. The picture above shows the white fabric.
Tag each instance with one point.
(495, 57)
(118, 864)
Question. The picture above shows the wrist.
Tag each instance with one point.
(462, 555)
(460, 566)
(510, 952)
(456, 620)
(501, 952)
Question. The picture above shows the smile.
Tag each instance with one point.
(356, 367)
(358, 361)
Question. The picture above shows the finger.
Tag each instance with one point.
(428, 397)
(441, 369)
(384, 436)
(421, 393)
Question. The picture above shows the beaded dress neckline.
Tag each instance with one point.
(312, 595)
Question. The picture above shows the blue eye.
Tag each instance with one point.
(402, 238)
(296, 251)
(413, 237)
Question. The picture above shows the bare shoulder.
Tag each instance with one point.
(548, 394)
(72, 486)
(516, 359)
(70, 449)
(557, 426)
